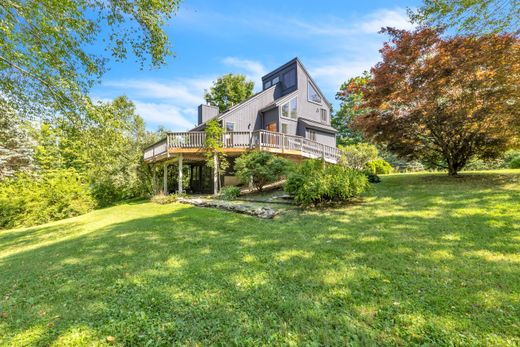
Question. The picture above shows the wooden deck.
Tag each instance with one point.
(192, 144)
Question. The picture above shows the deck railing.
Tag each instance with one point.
(260, 139)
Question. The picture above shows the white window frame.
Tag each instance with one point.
(267, 84)
(324, 112)
(310, 85)
(230, 123)
(289, 114)
(286, 128)
(275, 80)
(311, 134)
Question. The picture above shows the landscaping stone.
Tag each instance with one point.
(252, 210)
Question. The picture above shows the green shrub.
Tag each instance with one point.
(28, 200)
(358, 155)
(378, 167)
(261, 168)
(315, 182)
(162, 199)
(229, 193)
(512, 159)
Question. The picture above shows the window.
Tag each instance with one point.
(285, 110)
(311, 134)
(230, 126)
(267, 84)
(323, 115)
(276, 80)
(289, 79)
(284, 128)
(290, 109)
(312, 94)
(294, 108)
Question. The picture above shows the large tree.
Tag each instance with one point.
(470, 16)
(444, 100)
(51, 52)
(350, 107)
(229, 90)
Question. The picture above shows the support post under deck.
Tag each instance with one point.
(179, 189)
(165, 179)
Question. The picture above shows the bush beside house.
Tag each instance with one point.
(261, 168)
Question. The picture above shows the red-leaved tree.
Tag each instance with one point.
(444, 100)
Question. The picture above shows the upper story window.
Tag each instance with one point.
(267, 84)
(230, 126)
(324, 115)
(312, 94)
(290, 109)
(276, 80)
(289, 78)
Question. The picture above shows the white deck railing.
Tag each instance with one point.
(260, 139)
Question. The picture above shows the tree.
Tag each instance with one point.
(349, 109)
(357, 156)
(444, 100)
(47, 59)
(260, 168)
(16, 146)
(473, 17)
(229, 90)
(215, 156)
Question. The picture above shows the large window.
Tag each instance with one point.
(289, 79)
(312, 94)
(324, 115)
(285, 110)
(290, 109)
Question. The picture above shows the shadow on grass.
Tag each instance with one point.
(429, 267)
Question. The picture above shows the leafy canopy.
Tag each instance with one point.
(444, 100)
(470, 17)
(261, 168)
(229, 90)
(350, 108)
(47, 58)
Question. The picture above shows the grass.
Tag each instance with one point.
(425, 259)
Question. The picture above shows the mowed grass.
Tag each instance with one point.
(423, 259)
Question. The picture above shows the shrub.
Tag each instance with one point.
(229, 193)
(358, 155)
(162, 199)
(28, 200)
(315, 182)
(512, 159)
(261, 168)
(378, 167)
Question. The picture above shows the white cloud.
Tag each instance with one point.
(396, 18)
(253, 69)
(168, 115)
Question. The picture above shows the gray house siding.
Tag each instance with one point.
(309, 109)
(326, 138)
(249, 112)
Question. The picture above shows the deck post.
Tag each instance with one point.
(165, 179)
(215, 174)
(179, 190)
(154, 179)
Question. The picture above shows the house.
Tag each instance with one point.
(290, 117)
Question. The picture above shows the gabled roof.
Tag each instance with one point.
(223, 114)
(298, 61)
(317, 125)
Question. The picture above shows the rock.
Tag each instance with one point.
(261, 212)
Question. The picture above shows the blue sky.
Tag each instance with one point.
(335, 40)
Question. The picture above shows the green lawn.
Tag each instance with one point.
(424, 259)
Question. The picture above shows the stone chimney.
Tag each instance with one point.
(207, 112)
